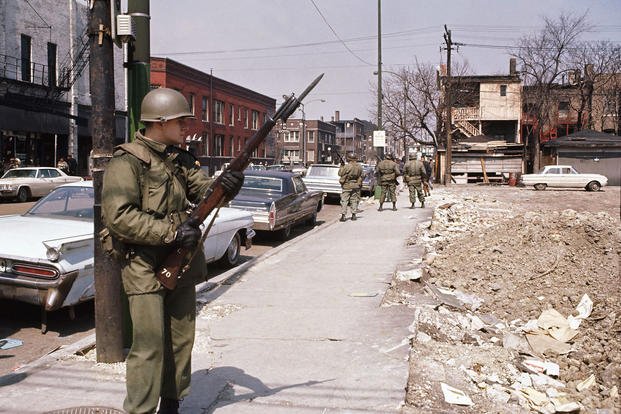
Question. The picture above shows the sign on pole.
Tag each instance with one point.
(379, 138)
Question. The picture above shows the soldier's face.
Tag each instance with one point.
(175, 131)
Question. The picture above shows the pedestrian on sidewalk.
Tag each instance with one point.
(351, 182)
(72, 165)
(388, 171)
(147, 188)
(414, 176)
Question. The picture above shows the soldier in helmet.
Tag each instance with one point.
(414, 175)
(147, 188)
(388, 171)
(351, 182)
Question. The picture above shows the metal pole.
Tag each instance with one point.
(139, 62)
(448, 121)
(380, 150)
(108, 321)
(303, 134)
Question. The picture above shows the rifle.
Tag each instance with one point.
(177, 262)
(338, 154)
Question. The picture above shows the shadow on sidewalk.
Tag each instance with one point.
(223, 381)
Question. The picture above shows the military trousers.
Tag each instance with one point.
(416, 190)
(350, 198)
(159, 361)
(389, 192)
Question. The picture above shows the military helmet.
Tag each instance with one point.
(164, 104)
(389, 156)
(351, 156)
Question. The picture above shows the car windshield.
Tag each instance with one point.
(262, 183)
(66, 202)
(323, 171)
(256, 167)
(20, 174)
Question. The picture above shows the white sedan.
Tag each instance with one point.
(564, 176)
(23, 184)
(47, 258)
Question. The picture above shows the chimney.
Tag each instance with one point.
(337, 116)
(332, 118)
(321, 118)
(512, 67)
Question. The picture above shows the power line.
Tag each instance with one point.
(337, 36)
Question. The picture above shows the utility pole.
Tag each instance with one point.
(449, 108)
(108, 320)
(139, 62)
(380, 150)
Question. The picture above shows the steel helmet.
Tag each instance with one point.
(389, 156)
(164, 104)
(351, 156)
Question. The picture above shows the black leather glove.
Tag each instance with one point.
(188, 233)
(232, 181)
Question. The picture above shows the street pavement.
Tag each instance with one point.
(299, 329)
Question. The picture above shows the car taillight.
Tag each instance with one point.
(37, 271)
(271, 217)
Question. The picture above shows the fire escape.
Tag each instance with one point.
(462, 119)
(71, 69)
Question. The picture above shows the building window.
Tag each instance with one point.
(239, 141)
(255, 120)
(26, 46)
(239, 113)
(231, 115)
(191, 102)
(563, 106)
(204, 112)
(51, 64)
(291, 136)
(232, 145)
(310, 156)
(291, 155)
(503, 90)
(218, 145)
(205, 143)
(218, 109)
(246, 119)
(311, 137)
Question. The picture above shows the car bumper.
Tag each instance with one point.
(8, 193)
(50, 294)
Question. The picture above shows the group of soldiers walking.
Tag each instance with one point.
(416, 175)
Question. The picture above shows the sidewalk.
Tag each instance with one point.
(298, 330)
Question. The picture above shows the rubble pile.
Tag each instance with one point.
(518, 306)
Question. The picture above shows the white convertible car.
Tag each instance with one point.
(47, 259)
(564, 176)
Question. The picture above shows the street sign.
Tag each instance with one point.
(379, 138)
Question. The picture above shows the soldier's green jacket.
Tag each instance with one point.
(388, 171)
(414, 172)
(351, 176)
(145, 196)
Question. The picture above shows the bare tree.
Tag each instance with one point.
(544, 58)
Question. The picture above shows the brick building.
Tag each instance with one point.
(218, 134)
(320, 141)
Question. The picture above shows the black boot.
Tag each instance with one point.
(353, 217)
(342, 218)
(394, 206)
(380, 207)
(422, 204)
(412, 206)
(168, 406)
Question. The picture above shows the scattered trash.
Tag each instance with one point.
(412, 274)
(587, 383)
(363, 294)
(546, 345)
(8, 343)
(584, 308)
(455, 396)
(564, 405)
(556, 325)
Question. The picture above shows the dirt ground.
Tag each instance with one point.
(496, 258)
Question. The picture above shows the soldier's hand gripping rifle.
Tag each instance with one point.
(178, 261)
(341, 160)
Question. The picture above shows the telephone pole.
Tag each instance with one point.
(449, 108)
(108, 333)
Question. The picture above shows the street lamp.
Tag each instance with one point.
(304, 127)
(405, 144)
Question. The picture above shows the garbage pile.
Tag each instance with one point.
(517, 307)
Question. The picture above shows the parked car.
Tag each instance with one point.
(324, 177)
(48, 258)
(255, 167)
(564, 176)
(278, 200)
(369, 179)
(25, 183)
(277, 167)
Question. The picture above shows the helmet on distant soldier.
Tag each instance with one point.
(164, 104)
(389, 156)
(351, 156)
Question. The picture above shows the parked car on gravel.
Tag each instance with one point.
(369, 180)
(278, 200)
(564, 176)
(324, 177)
(22, 184)
(48, 258)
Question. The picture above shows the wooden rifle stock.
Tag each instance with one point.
(178, 261)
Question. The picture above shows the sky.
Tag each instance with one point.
(276, 47)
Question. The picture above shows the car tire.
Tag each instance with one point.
(284, 233)
(540, 186)
(23, 194)
(593, 186)
(312, 220)
(233, 252)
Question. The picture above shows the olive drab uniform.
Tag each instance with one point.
(388, 171)
(414, 175)
(351, 182)
(147, 188)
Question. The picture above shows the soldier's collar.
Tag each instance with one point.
(154, 145)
